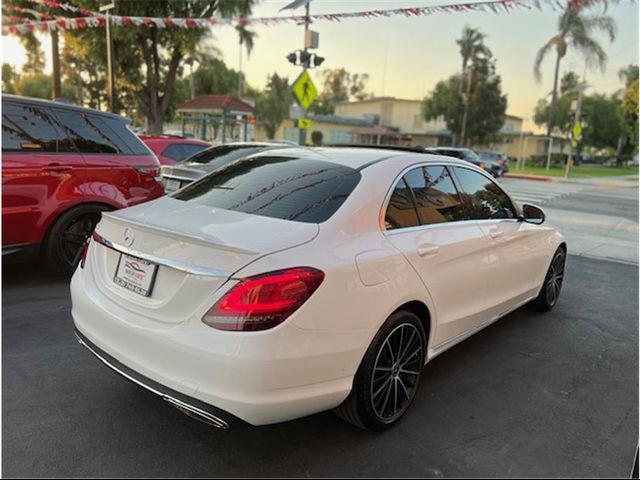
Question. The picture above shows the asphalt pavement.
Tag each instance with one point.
(534, 395)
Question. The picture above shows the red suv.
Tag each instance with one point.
(61, 167)
(171, 149)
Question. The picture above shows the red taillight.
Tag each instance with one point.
(264, 301)
(483, 166)
(153, 170)
(85, 252)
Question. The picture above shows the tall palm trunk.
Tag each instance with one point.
(554, 96)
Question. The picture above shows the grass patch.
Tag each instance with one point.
(583, 171)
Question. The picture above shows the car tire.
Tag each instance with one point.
(68, 235)
(387, 380)
(550, 290)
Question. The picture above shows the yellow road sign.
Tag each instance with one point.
(305, 123)
(304, 90)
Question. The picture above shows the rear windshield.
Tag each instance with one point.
(288, 188)
(224, 154)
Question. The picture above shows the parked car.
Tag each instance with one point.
(301, 280)
(468, 155)
(179, 175)
(62, 166)
(170, 149)
(497, 157)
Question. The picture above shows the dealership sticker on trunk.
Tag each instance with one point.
(135, 274)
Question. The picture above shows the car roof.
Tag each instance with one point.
(171, 139)
(354, 157)
(455, 149)
(61, 105)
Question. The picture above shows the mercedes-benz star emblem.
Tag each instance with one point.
(128, 237)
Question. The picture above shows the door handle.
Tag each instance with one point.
(428, 250)
(496, 233)
(57, 168)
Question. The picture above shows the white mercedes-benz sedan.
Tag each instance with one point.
(301, 280)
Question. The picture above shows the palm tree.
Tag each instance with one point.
(628, 74)
(575, 29)
(472, 47)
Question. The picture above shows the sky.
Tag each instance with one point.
(406, 56)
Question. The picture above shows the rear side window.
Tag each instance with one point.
(299, 189)
(89, 132)
(437, 199)
(483, 198)
(182, 151)
(30, 128)
(120, 128)
(401, 211)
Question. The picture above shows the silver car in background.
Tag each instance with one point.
(174, 177)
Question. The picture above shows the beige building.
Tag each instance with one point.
(396, 121)
(406, 116)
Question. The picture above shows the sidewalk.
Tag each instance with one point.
(606, 237)
(621, 181)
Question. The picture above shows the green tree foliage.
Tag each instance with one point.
(338, 86)
(603, 121)
(273, 104)
(213, 77)
(576, 29)
(40, 85)
(35, 55)
(149, 61)
(563, 115)
(628, 74)
(487, 104)
(316, 138)
(9, 78)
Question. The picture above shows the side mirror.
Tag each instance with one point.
(532, 214)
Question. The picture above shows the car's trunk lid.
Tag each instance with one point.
(197, 248)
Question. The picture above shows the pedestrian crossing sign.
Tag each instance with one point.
(304, 90)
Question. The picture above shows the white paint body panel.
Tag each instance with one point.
(306, 364)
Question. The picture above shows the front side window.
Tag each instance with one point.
(288, 188)
(482, 197)
(437, 199)
(30, 128)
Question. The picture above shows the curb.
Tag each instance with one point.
(525, 176)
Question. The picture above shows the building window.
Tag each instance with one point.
(340, 136)
(291, 134)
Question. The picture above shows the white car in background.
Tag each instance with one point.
(301, 280)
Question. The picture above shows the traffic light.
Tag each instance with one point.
(293, 57)
(305, 59)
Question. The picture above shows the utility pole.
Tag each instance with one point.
(107, 8)
(302, 138)
(240, 69)
(55, 54)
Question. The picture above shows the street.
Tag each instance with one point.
(598, 217)
(534, 395)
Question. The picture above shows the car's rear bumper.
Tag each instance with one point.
(260, 378)
(189, 405)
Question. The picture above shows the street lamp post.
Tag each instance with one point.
(106, 8)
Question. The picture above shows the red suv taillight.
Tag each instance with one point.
(264, 301)
(153, 170)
